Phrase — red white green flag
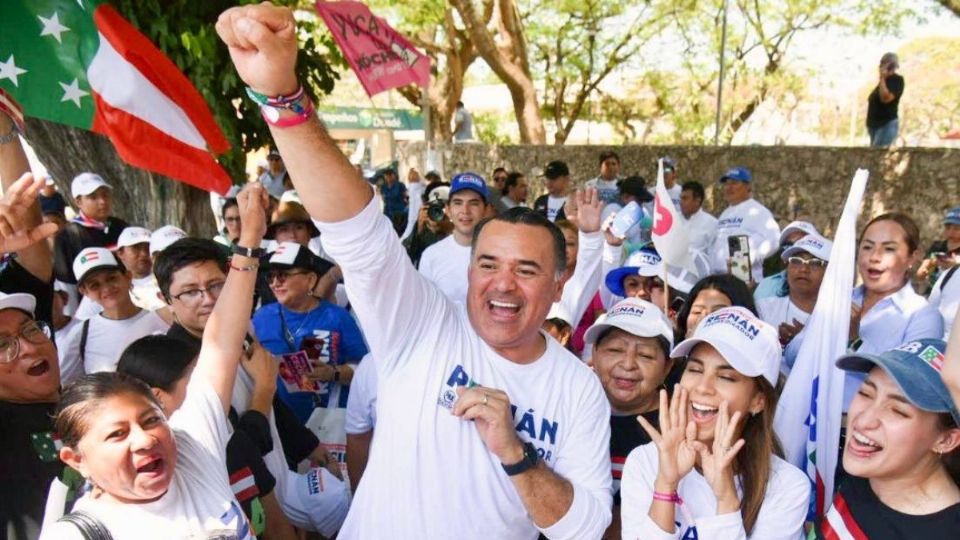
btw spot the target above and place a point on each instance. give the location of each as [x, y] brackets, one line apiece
[78, 62]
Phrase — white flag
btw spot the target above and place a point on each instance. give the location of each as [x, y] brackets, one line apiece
[808, 416]
[669, 228]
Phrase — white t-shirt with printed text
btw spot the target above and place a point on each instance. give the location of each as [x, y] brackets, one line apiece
[781, 516]
[199, 502]
[449, 483]
[754, 220]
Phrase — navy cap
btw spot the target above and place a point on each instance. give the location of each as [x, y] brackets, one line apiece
[469, 180]
[916, 367]
[952, 216]
[740, 174]
[555, 169]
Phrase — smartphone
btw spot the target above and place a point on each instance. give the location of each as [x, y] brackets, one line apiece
[739, 246]
[626, 218]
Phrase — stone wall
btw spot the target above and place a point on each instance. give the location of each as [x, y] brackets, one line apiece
[795, 182]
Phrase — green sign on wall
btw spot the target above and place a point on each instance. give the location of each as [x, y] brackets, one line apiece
[358, 118]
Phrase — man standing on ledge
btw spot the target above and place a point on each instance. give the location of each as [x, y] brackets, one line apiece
[883, 122]
[489, 428]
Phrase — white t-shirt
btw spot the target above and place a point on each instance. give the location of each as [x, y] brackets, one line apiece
[702, 231]
[465, 119]
[199, 502]
[445, 264]
[781, 516]
[554, 205]
[776, 310]
[578, 291]
[106, 341]
[747, 218]
[451, 485]
[607, 189]
[946, 298]
[362, 401]
[675, 192]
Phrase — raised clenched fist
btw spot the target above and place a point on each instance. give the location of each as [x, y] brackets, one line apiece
[262, 39]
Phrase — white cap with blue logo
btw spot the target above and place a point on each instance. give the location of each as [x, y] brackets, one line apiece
[748, 344]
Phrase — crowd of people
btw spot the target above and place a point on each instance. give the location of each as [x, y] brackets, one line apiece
[437, 359]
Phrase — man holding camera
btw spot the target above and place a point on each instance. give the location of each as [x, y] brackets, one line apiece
[446, 262]
[883, 123]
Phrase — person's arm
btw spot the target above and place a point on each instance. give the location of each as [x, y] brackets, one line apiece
[35, 257]
[636, 496]
[927, 323]
[263, 45]
[583, 284]
[262, 368]
[278, 526]
[358, 452]
[226, 329]
[570, 501]
[612, 258]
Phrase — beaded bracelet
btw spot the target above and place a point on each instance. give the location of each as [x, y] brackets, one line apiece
[291, 101]
[272, 115]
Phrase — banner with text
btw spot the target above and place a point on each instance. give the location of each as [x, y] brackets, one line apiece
[380, 56]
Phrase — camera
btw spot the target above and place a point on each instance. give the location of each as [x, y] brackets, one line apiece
[435, 210]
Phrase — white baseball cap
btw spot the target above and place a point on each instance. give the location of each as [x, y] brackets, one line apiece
[132, 236]
[22, 301]
[317, 501]
[164, 236]
[795, 226]
[634, 316]
[813, 244]
[86, 183]
[93, 258]
[747, 343]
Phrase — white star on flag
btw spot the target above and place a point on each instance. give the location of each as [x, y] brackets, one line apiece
[72, 92]
[52, 26]
[9, 70]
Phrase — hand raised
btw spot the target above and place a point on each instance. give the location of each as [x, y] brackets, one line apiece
[15, 208]
[589, 207]
[262, 40]
[673, 440]
[253, 203]
[261, 366]
[717, 461]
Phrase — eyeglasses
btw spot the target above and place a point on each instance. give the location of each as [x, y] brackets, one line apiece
[35, 332]
[800, 261]
[281, 276]
[192, 296]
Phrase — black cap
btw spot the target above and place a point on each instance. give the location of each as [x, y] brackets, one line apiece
[556, 169]
[635, 186]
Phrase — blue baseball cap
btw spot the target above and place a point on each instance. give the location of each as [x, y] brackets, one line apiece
[643, 262]
[916, 367]
[469, 180]
[952, 216]
[740, 174]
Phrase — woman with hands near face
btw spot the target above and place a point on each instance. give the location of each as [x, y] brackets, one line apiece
[713, 470]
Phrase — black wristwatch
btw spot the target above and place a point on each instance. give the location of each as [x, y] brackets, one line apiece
[529, 461]
[253, 253]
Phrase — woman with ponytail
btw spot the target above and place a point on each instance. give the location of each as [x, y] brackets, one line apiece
[713, 470]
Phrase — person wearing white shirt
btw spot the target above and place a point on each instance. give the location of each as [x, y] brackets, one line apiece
[670, 180]
[446, 262]
[96, 343]
[724, 481]
[945, 297]
[275, 178]
[776, 284]
[500, 432]
[806, 265]
[743, 216]
[606, 182]
[361, 419]
[890, 312]
[514, 192]
[556, 177]
[133, 250]
[701, 226]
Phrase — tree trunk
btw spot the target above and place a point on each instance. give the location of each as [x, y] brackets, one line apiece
[508, 59]
[952, 5]
[139, 197]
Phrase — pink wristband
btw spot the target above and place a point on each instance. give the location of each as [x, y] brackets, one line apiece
[308, 112]
[667, 497]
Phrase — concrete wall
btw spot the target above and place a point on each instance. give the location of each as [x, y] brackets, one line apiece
[795, 182]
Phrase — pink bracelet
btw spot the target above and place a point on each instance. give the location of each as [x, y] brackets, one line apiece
[272, 115]
[667, 497]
